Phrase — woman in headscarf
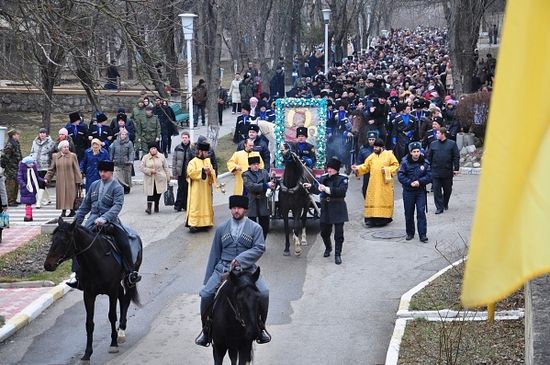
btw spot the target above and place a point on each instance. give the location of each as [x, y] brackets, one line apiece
[29, 182]
[65, 166]
[89, 162]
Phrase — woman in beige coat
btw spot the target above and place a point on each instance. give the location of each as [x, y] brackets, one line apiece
[65, 166]
[156, 175]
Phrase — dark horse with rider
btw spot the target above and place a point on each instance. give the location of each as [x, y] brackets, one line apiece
[104, 259]
[235, 297]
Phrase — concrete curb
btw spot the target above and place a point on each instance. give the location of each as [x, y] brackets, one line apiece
[32, 311]
[470, 170]
[446, 315]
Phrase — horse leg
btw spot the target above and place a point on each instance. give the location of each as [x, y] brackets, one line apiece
[304, 221]
[245, 354]
[234, 355]
[219, 353]
[89, 304]
[287, 240]
[295, 232]
[124, 302]
[113, 349]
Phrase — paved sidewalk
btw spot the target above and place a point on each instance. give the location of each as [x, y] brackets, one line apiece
[16, 236]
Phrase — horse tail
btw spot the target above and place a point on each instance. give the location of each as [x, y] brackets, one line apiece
[133, 294]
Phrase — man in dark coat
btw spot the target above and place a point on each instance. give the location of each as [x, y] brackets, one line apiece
[183, 153]
[101, 131]
[79, 134]
[256, 182]
[11, 157]
[379, 113]
[444, 157]
[166, 117]
[333, 187]
[243, 122]
[277, 83]
[404, 131]
[414, 174]
[237, 242]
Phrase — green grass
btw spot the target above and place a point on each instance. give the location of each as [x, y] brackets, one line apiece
[224, 151]
[34, 250]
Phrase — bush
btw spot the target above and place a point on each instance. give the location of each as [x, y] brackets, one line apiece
[473, 112]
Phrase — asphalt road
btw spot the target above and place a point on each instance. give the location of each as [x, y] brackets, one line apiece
[320, 313]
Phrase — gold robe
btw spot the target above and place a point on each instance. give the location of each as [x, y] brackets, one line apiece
[200, 211]
[379, 197]
[240, 158]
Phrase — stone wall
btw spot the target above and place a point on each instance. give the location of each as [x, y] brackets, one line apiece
[15, 99]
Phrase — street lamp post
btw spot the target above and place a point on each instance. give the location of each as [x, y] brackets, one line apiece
[326, 18]
[187, 25]
[368, 26]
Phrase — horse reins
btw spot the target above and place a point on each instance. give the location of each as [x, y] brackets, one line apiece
[238, 317]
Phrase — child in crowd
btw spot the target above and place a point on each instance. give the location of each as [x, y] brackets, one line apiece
[29, 181]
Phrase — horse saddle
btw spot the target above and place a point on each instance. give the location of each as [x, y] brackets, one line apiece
[133, 239]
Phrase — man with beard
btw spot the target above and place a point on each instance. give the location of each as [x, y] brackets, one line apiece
[238, 164]
[200, 177]
[379, 113]
[238, 242]
[256, 182]
[414, 174]
[382, 166]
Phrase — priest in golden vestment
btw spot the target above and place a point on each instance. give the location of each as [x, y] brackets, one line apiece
[200, 177]
[238, 163]
[382, 166]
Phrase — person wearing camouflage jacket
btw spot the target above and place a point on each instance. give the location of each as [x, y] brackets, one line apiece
[10, 162]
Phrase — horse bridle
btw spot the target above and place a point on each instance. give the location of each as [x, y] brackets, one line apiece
[73, 241]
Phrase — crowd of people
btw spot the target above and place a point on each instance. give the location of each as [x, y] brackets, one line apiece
[391, 111]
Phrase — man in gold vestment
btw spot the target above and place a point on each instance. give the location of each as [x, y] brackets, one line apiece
[200, 177]
[382, 166]
[238, 163]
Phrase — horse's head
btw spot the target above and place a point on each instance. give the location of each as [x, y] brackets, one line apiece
[247, 300]
[357, 122]
[63, 245]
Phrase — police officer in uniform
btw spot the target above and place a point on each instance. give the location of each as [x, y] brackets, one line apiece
[414, 174]
[333, 187]
[304, 150]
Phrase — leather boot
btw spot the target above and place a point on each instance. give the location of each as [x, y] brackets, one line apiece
[39, 197]
[72, 213]
[156, 207]
[263, 336]
[204, 338]
[149, 205]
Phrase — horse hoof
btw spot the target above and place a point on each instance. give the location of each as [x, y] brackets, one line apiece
[113, 349]
[297, 251]
[121, 336]
[304, 243]
[286, 253]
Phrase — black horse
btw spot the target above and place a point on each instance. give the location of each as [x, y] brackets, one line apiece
[294, 197]
[100, 273]
[235, 317]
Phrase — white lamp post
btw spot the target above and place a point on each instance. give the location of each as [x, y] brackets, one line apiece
[326, 18]
[187, 25]
[368, 25]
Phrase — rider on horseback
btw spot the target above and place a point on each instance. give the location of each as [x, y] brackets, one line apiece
[304, 150]
[104, 202]
[237, 242]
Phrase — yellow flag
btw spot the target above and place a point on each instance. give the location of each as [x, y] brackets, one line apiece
[510, 242]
